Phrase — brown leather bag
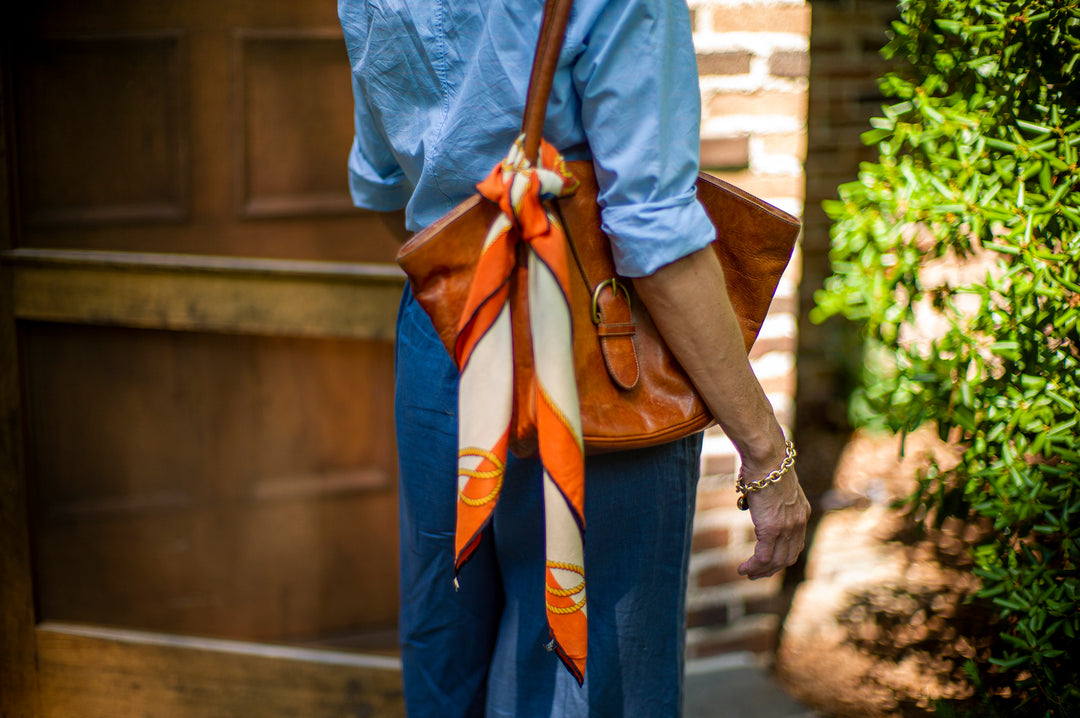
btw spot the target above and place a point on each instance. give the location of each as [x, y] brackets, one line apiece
[633, 392]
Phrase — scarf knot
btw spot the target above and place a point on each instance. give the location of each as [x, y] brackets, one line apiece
[520, 188]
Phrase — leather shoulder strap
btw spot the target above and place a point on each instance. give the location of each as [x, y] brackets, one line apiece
[548, 46]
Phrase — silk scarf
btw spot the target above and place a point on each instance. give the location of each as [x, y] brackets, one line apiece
[484, 357]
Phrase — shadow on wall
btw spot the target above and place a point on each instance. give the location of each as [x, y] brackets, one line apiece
[845, 38]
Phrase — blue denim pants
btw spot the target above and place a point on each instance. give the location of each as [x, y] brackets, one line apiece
[479, 650]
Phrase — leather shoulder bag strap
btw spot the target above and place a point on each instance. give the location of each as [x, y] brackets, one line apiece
[548, 46]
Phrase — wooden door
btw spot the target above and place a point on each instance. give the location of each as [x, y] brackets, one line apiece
[199, 484]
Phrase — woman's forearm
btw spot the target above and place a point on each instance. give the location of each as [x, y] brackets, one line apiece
[688, 302]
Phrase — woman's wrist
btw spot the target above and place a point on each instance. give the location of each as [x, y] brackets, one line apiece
[762, 454]
[745, 486]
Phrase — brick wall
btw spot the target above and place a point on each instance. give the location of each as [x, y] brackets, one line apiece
[753, 60]
[779, 77]
[845, 38]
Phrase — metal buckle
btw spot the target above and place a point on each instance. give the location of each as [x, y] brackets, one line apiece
[616, 285]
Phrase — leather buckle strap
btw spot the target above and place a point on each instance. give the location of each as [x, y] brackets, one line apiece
[615, 328]
[615, 285]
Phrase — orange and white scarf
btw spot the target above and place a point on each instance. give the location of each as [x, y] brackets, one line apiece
[484, 356]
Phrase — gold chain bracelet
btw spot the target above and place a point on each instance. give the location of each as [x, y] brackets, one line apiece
[745, 488]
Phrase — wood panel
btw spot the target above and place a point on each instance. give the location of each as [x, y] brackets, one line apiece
[288, 150]
[279, 297]
[95, 673]
[190, 127]
[235, 486]
[195, 367]
[95, 150]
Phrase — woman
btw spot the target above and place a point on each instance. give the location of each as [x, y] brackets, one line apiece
[440, 88]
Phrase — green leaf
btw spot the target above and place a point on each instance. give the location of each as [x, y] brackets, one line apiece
[1034, 127]
[872, 137]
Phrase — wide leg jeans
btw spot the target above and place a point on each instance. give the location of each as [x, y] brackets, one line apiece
[479, 649]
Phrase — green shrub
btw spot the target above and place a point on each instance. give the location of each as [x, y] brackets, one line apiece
[978, 169]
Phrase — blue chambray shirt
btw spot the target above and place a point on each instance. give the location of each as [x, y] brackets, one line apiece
[440, 90]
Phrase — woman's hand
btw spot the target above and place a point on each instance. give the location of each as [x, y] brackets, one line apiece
[779, 512]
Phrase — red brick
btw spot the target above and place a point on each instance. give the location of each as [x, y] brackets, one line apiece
[840, 67]
[773, 603]
[826, 45]
[710, 499]
[784, 305]
[724, 63]
[754, 18]
[789, 63]
[727, 153]
[783, 104]
[719, 575]
[773, 344]
[784, 384]
[720, 464]
[712, 616]
[758, 642]
[710, 538]
[718, 498]
[749, 535]
[785, 143]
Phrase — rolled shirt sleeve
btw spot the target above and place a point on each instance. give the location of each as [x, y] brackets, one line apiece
[641, 111]
[376, 180]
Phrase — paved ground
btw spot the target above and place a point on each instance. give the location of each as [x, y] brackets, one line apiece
[735, 686]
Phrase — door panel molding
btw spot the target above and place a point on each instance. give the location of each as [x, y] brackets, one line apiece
[124, 157]
[323, 485]
[86, 670]
[272, 297]
[286, 158]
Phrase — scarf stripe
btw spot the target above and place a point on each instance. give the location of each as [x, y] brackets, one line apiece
[484, 356]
